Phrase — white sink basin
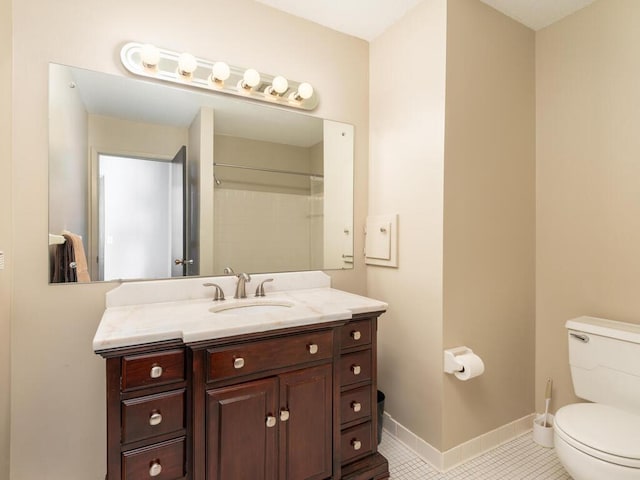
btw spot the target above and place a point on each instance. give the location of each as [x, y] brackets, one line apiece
[250, 307]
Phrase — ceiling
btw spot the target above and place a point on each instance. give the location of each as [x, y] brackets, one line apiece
[367, 19]
[537, 14]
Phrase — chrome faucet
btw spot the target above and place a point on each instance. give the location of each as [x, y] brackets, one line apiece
[243, 278]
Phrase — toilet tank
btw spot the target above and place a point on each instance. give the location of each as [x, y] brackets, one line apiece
[604, 356]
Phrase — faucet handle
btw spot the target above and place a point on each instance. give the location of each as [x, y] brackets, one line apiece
[260, 289]
[219, 293]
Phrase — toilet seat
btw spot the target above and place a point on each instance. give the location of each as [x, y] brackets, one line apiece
[602, 431]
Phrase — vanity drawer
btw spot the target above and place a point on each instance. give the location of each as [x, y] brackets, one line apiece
[356, 441]
[355, 404]
[164, 461]
[268, 354]
[153, 415]
[355, 367]
[355, 334]
[151, 369]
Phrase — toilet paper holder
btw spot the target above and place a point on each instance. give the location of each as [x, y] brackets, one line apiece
[451, 364]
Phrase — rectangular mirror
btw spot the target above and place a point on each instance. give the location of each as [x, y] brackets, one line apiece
[154, 181]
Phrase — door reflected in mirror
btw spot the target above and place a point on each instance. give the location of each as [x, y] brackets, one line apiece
[256, 188]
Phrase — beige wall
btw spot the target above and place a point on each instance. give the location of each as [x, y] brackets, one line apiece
[126, 137]
[406, 177]
[58, 388]
[260, 154]
[588, 177]
[489, 217]
[460, 173]
[5, 231]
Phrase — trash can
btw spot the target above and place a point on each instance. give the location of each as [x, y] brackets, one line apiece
[380, 414]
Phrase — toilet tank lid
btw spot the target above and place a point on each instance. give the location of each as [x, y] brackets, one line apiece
[629, 332]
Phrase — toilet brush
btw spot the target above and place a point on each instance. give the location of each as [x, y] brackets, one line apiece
[547, 400]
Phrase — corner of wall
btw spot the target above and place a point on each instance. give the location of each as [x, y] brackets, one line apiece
[6, 72]
[406, 177]
[489, 217]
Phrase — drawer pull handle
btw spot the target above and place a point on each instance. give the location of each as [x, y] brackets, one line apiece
[238, 363]
[356, 369]
[155, 418]
[156, 371]
[313, 348]
[356, 406]
[284, 415]
[155, 469]
[356, 444]
[271, 421]
[356, 335]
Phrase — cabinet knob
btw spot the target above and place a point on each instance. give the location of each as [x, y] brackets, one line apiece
[156, 371]
[155, 469]
[238, 363]
[284, 415]
[356, 406]
[155, 418]
[271, 421]
[356, 369]
[356, 444]
[313, 348]
[356, 335]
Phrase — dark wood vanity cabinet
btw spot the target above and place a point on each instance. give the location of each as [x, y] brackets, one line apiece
[276, 428]
[291, 404]
[147, 412]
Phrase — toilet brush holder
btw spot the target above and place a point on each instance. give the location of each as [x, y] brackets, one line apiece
[543, 435]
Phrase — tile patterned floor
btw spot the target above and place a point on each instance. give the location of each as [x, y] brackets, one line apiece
[519, 459]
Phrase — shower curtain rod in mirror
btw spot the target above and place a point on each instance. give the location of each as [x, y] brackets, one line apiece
[270, 170]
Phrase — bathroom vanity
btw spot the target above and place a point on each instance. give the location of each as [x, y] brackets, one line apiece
[275, 387]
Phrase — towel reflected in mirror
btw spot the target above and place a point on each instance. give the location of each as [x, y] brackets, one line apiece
[70, 261]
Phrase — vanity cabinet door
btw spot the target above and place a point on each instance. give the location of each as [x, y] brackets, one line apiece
[305, 424]
[242, 431]
[245, 421]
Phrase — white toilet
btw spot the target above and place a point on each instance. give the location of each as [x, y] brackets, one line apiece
[601, 440]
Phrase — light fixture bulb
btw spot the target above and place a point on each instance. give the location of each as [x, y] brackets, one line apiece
[279, 85]
[250, 79]
[305, 91]
[220, 72]
[149, 56]
[187, 64]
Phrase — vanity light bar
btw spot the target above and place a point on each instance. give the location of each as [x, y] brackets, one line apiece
[185, 69]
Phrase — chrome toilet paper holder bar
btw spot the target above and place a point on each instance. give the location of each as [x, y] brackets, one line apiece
[451, 364]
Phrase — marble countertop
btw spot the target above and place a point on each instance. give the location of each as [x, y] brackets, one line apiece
[190, 319]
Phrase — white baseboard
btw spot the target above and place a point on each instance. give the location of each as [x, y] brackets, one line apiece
[464, 452]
